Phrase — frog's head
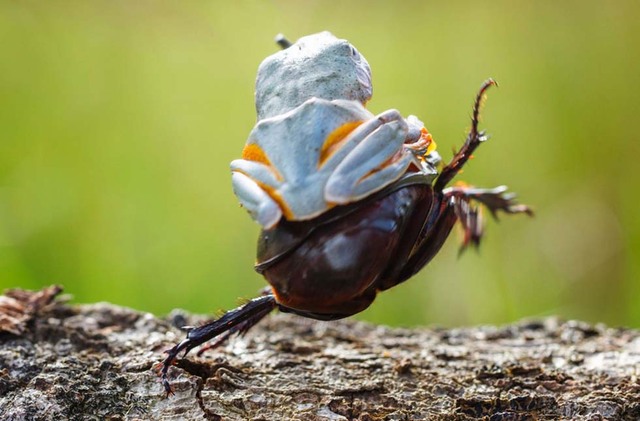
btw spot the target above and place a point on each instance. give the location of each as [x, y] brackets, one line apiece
[318, 65]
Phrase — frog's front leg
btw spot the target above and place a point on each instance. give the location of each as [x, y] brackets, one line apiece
[373, 157]
[250, 180]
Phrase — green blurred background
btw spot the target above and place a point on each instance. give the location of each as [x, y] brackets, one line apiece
[118, 120]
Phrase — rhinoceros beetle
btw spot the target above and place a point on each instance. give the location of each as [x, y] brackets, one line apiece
[350, 203]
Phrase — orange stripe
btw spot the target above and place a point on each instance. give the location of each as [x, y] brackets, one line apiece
[286, 211]
[253, 152]
[380, 167]
[332, 142]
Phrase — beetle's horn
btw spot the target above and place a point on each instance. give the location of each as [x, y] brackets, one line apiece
[283, 42]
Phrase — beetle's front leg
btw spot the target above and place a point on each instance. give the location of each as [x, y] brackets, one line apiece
[238, 320]
[474, 139]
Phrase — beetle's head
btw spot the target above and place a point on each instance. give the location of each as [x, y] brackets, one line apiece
[318, 65]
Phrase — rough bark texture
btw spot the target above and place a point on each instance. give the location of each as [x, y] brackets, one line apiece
[98, 362]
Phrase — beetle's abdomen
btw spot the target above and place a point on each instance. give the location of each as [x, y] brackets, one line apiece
[336, 271]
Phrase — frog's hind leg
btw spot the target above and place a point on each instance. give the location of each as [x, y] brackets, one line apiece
[373, 158]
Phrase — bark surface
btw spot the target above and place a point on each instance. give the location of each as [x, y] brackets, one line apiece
[99, 362]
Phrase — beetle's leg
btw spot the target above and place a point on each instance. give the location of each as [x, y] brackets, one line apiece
[474, 138]
[469, 214]
[457, 204]
[240, 329]
[377, 159]
[495, 199]
[240, 319]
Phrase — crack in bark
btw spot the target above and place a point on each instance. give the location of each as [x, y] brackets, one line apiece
[210, 415]
[204, 372]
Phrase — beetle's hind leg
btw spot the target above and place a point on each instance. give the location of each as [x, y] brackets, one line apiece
[474, 139]
[238, 321]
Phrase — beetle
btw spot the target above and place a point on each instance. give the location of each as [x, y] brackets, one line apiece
[350, 203]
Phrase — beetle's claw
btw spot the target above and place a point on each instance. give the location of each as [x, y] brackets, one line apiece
[168, 390]
[502, 201]
[477, 105]
[170, 360]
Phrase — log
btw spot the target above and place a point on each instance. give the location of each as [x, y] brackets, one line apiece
[99, 361]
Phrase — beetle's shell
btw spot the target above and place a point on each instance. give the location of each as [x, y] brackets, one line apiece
[318, 65]
[334, 268]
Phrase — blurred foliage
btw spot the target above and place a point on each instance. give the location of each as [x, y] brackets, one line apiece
[118, 120]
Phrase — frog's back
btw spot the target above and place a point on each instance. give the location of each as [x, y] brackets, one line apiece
[320, 66]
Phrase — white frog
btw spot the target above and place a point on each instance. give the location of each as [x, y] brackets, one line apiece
[315, 145]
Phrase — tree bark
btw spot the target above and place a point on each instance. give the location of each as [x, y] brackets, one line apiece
[100, 362]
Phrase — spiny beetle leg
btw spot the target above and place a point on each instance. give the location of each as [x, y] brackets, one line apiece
[240, 329]
[237, 320]
[474, 138]
[220, 340]
[495, 199]
[470, 214]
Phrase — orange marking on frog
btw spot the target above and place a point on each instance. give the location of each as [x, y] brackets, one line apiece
[334, 140]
